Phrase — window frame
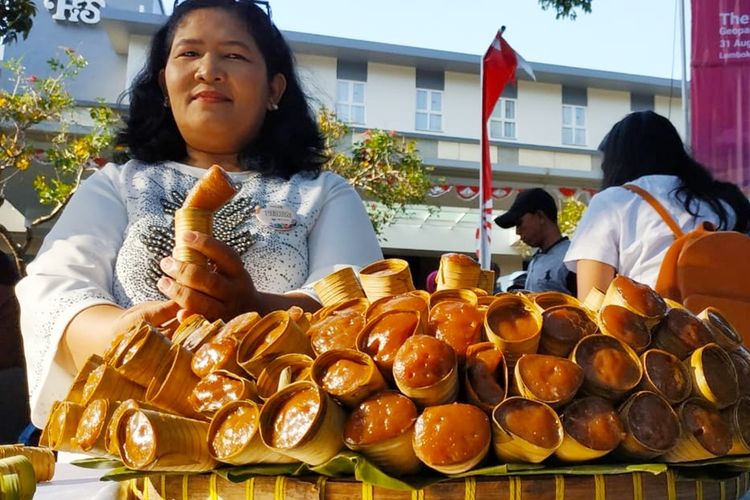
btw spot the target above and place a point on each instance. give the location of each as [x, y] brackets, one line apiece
[349, 102]
[428, 112]
[574, 126]
[502, 119]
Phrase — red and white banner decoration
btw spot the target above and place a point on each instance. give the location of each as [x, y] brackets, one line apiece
[468, 192]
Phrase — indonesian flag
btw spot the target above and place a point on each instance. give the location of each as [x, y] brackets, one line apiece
[498, 68]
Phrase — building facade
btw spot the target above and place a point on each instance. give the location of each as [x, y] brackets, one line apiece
[543, 132]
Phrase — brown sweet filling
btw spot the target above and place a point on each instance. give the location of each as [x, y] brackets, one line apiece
[485, 375]
[92, 423]
[337, 331]
[214, 355]
[743, 419]
[235, 431]
[566, 325]
[215, 390]
[386, 415]
[742, 367]
[295, 418]
[718, 322]
[423, 361]
[708, 427]
[532, 421]
[140, 440]
[626, 326]
[388, 334]
[238, 326]
[641, 297]
[647, 409]
[546, 300]
[718, 372]
[594, 423]
[269, 338]
[404, 302]
[92, 382]
[688, 328]
[667, 374]
[550, 378]
[345, 375]
[451, 434]
[606, 363]
[457, 323]
[513, 322]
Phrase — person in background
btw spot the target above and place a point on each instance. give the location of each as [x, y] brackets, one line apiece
[620, 233]
[219, 86]
[534, 215]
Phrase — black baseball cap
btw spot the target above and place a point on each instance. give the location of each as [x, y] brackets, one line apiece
[528, 201]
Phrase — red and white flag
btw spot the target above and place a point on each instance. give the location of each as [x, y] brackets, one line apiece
[498, 68]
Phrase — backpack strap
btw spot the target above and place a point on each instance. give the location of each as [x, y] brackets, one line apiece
[663, 213]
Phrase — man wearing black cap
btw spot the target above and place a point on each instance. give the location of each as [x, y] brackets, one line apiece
[534, 214]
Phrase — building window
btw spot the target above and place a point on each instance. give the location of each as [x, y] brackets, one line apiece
[574, 125]
[429, 110]
[350, 101]
[503, 119]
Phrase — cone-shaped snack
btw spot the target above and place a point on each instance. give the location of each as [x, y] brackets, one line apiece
[610, 368]
[150, 440]
[211, 191]
[234, 436]
[426, 370]
[484, 301]
[594, 299]
[453, 295]
[547, 300]
[336, 331]
[239, 326]
[514, 324]
[485, 375]
[549, 379]
[639, 298]
[724, 333]
[741, 360]
[666, 375]
[457, 271]
[592, 428]
[62, 424]
[301, 421]
[92, 427]
[705, 434]
[219, 388]
[191, 324]
[738, 418]
[681, 333]
[110, 434]
[486, 281]
[459, 324]
[349, 376]
[713, 375]
[353, 305]
[381, 428]
[452, 438]
[75, 393]
[563, 326]
[339, 286]
[386, 277]
[415, 300]
[292, 367]
[384, 334]
[42, 459]
[524, 430]
[219, 354]
[17, 480]
[147, 349]
[621, 322]
[106, 382]
[174, 383]
[652, 427]
[275, 334]
[201, 336]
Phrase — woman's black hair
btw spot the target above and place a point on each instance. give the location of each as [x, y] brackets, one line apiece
[645, 143]
[289, 140]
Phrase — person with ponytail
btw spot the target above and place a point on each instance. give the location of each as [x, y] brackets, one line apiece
[620, 233]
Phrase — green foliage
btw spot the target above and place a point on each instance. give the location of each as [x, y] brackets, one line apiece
[38, 101]
[16, 18]
[566, 8]
[383, 167]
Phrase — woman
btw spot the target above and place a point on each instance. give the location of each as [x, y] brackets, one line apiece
[219, 87]
[622, 234]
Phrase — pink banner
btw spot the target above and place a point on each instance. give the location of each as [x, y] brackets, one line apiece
[720, 88]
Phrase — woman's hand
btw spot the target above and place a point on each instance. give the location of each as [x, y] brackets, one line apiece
[223, 292]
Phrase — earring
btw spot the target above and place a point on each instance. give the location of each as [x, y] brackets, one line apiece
[166, 101]
[274, 106]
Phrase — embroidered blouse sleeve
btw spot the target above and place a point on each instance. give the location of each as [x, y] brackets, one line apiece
[73, 271]
[597, 236]
[342, 235]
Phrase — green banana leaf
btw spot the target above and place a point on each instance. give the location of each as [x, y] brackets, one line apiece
[98, 463]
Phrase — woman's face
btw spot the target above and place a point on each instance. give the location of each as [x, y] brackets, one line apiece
[217, 83]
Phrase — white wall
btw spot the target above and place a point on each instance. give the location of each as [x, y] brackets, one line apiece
[462, 105]
[605, 108]
[137, 53]
[317, 75]
[391, 97]
[539, 113]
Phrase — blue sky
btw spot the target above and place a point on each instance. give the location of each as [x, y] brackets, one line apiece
[629, 36]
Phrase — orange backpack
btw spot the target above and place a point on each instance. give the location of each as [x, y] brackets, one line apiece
[706, 267]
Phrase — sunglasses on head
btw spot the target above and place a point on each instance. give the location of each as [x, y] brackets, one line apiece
[263, 4]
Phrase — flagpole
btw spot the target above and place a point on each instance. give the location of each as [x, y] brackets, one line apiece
[683, 85]
[482, 229]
